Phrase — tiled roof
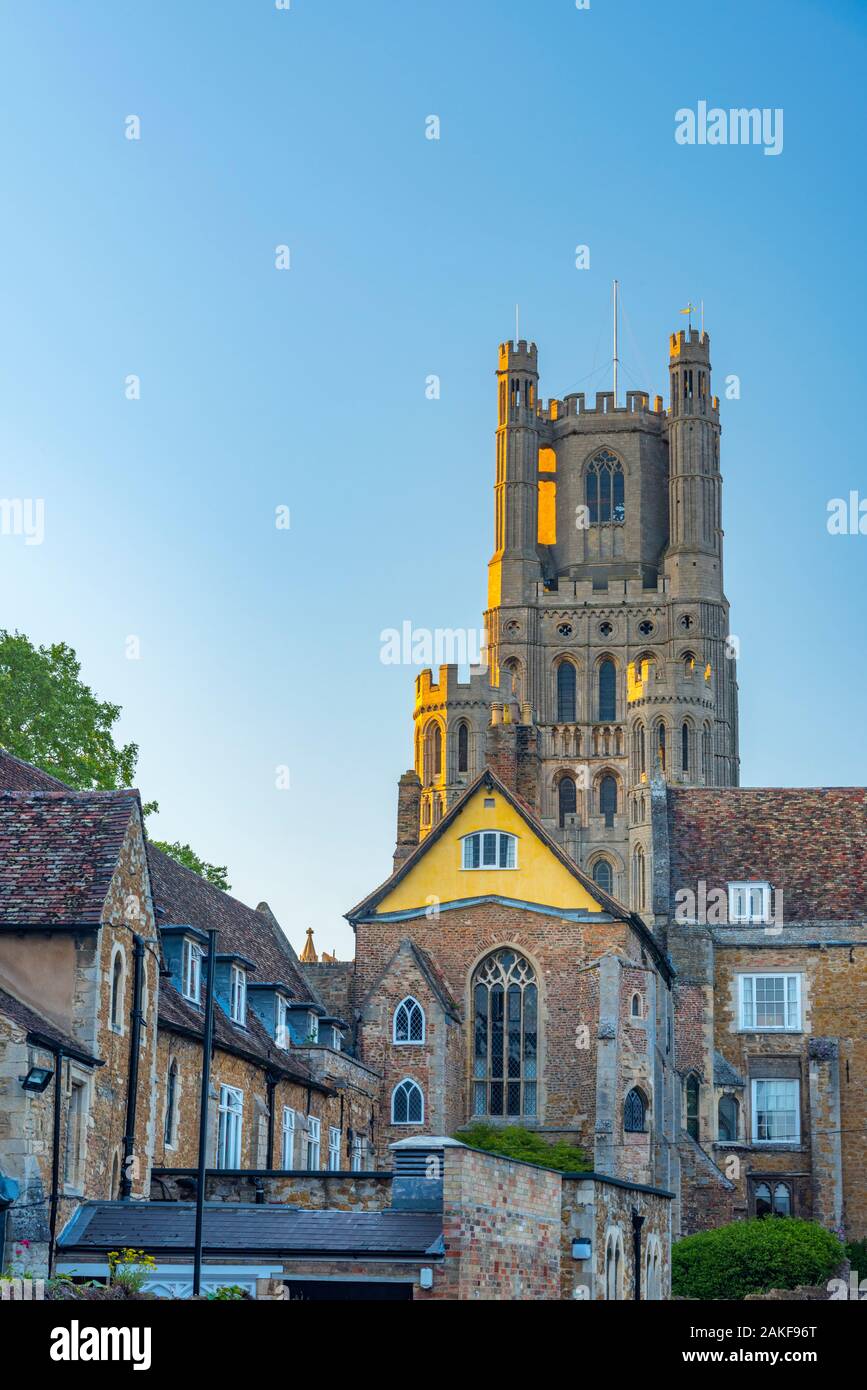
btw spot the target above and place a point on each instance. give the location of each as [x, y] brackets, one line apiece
[33, 1023]
[809, 842]
[724, 1073]
[58, 852]
[18, 776]
[236, 1228]
[184, 898]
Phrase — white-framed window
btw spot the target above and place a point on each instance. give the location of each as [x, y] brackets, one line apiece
[334, 1140]
[407, 1103]
[229, 1135]
[191, 971]
[238, 994]
[312, 1028]
[283, 1035]
[749, 902]
[770, 1003]
[409, 1023]
[288, 1137]
[314, 1142]
[776, 1111]
[359, 1154]
[490, 849]
[76, 1130]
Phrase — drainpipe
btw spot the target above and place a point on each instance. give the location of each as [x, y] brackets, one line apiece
[207, 1044]
[132, 1082]
[55, 1158]
[271, 1082]
[637, 1223]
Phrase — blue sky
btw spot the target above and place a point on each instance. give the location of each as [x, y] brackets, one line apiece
[306, 388]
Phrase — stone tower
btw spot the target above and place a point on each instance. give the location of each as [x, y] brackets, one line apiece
[607, 624]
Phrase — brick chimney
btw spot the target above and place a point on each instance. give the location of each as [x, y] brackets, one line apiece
[408, 814]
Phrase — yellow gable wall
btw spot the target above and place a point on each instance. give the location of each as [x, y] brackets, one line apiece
[539, 878]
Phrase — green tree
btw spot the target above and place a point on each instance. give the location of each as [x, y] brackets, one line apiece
[774, 1252]
[49, 717]
[525, 1144]
[217, 874]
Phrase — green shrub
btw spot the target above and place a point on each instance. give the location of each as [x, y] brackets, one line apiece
[228, 1291]
[752, 1257]
[526, 1145]
[856, 1253]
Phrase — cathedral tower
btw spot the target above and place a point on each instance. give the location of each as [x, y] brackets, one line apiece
[607, 624]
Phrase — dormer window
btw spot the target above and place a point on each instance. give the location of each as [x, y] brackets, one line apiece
[282, 1033]
[750, 903]
[312, 1028]
[490, 849]
[191, 971]
[238, 994]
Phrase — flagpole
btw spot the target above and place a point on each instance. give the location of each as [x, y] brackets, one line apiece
[616, 358]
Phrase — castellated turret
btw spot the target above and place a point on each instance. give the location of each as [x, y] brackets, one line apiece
[607, 624]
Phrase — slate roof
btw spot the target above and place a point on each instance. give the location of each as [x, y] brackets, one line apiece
[58, 852]
[810, 842]
[724, 1073]
[35, 1026]
[239, 1229]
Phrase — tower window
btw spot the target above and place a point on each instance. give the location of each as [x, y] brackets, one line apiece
[684, 747]
[638, 877]
[567, 798]
[608, 798]
[660, 747]
[566, 686]
[463, 748]
[604, 489]
[606, 629]
[433, 752]
[505, 1037]
[645, 628]
[565, 629]
[603, 875]
[607, 690]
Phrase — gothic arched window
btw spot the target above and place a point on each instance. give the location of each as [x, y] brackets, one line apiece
[566, 692]
[408, 1021]
[505, 1036]
[603, 875]
[608, 798]
[660, 746]
[727, 1114]
[407, 1103]
[604, 489]
[684, 747]
[433, 752]
[635, 1112]
[463, 748]
[638, 757]
[567, 798]
[638, 877]
[691, 1094]
[116, 1006]
[705, 755]
[607, 690]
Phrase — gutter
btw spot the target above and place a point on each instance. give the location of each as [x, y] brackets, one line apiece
[132, 1076]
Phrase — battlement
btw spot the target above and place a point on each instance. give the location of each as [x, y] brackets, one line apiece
[650, 679]
[637, 403]
[587, 591]
[447, 688]
[689, 345]
[520, 358]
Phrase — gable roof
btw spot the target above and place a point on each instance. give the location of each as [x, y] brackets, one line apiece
[810, 842]
[18, 776]
[58, 852]
[430, 972]
[489, 780]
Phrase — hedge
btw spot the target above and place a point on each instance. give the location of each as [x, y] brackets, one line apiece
[526, 1145]
[775, 1252]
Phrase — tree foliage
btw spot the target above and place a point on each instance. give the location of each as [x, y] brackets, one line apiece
[49, 717]
[774, 1252]
[216, 874]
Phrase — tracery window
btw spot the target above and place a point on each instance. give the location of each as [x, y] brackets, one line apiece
[567, 798]
[607, 690]
[505, 1036]
[605, 489]
[407, 1103]
[409, 1022]
[635, 1112]
[603, 875]
[566, 684]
